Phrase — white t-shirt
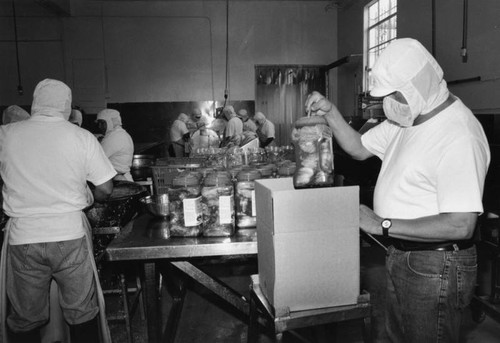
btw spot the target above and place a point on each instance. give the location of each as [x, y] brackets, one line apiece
[178, 130]
[45, 163]
[266, 131]
[119, 148]
[234, 127]
[436, 167]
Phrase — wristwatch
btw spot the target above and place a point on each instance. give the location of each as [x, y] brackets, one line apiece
[386, 225]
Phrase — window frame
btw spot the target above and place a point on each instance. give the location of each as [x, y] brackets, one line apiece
[366, 39]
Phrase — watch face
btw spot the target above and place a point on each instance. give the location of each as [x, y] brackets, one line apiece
[386, 224]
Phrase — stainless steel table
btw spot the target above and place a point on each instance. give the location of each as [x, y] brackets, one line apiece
[145, 239]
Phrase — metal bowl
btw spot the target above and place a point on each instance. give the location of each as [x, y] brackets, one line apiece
[157, 205]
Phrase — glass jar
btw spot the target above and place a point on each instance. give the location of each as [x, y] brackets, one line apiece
[312, 138]
[245, 198]
[286, 169]
[218, 205]
[265, 170]
[186, 216]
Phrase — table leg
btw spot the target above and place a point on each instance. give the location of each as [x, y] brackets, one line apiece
[176, 288]
[229, 295]
[253, 326]
[151, 295]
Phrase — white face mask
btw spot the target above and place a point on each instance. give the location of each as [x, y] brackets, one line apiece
[397, 112]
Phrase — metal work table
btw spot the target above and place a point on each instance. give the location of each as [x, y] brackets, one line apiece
[145, 239]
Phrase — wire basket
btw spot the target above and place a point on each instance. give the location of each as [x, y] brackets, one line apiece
[162, 178]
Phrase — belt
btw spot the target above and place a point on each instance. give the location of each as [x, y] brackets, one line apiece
[405, 245]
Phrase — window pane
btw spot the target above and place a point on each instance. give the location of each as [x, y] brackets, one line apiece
[373, 14]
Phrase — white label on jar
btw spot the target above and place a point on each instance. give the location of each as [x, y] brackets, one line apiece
[254, 210]
[193, 215]
[226, 209]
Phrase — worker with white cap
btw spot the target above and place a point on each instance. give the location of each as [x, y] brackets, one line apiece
[13, 114]
[46, 164]
[428, 195]
[234, 125]
[248, 124]
[117, 143]
[179, 136]
[76, 117]
[265, 129]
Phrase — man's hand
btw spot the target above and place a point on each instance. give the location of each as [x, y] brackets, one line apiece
[317, 105]
[369, 221]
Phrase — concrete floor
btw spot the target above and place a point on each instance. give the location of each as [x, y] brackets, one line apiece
[206, 319]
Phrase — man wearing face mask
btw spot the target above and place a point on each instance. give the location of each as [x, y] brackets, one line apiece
[428, 194]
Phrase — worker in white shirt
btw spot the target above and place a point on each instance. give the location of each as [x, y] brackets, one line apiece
[48, 236]
[248, 124]
[265, 129]
[117, 143]
[179, 136]
[14, 114]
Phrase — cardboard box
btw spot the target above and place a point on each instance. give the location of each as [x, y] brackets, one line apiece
[308, 245]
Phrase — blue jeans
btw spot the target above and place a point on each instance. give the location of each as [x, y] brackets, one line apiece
[30, 269]
[427, 292]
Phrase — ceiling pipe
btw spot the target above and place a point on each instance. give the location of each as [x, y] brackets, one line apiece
[463, 50]
[20, 90]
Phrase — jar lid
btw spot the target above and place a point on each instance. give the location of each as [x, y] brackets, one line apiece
[287, 169]
[310, 121]
[186, 179]
[217, 179]
[249, 175]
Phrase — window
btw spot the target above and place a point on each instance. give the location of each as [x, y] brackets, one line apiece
[380, 28]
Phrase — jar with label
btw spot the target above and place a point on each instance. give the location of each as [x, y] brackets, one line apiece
[245, 198]
[312, 138]
[186, 216]
[218, 205]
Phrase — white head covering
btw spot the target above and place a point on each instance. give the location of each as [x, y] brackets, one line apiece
[228, 112]
[76, 117]
[259, 116]
[243, 114]
[112, 118]
[183, 117]
[51, 98]
[406, 66]
[14, 114]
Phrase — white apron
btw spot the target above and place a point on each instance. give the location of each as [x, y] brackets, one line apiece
[105, 334]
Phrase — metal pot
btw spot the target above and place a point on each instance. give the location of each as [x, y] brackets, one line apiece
[120, 208]
[141, 167]
[141, 161]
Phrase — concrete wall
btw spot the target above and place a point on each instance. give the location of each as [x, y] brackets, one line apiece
[159, 51]
[415, 20]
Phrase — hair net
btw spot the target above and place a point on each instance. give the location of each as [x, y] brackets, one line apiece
[51, 98]
[243, 114]
[228, 112]
[406, 66]
[112, 118]
[183, 117]
[259, 116]
[14, 114]
[76, 117]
